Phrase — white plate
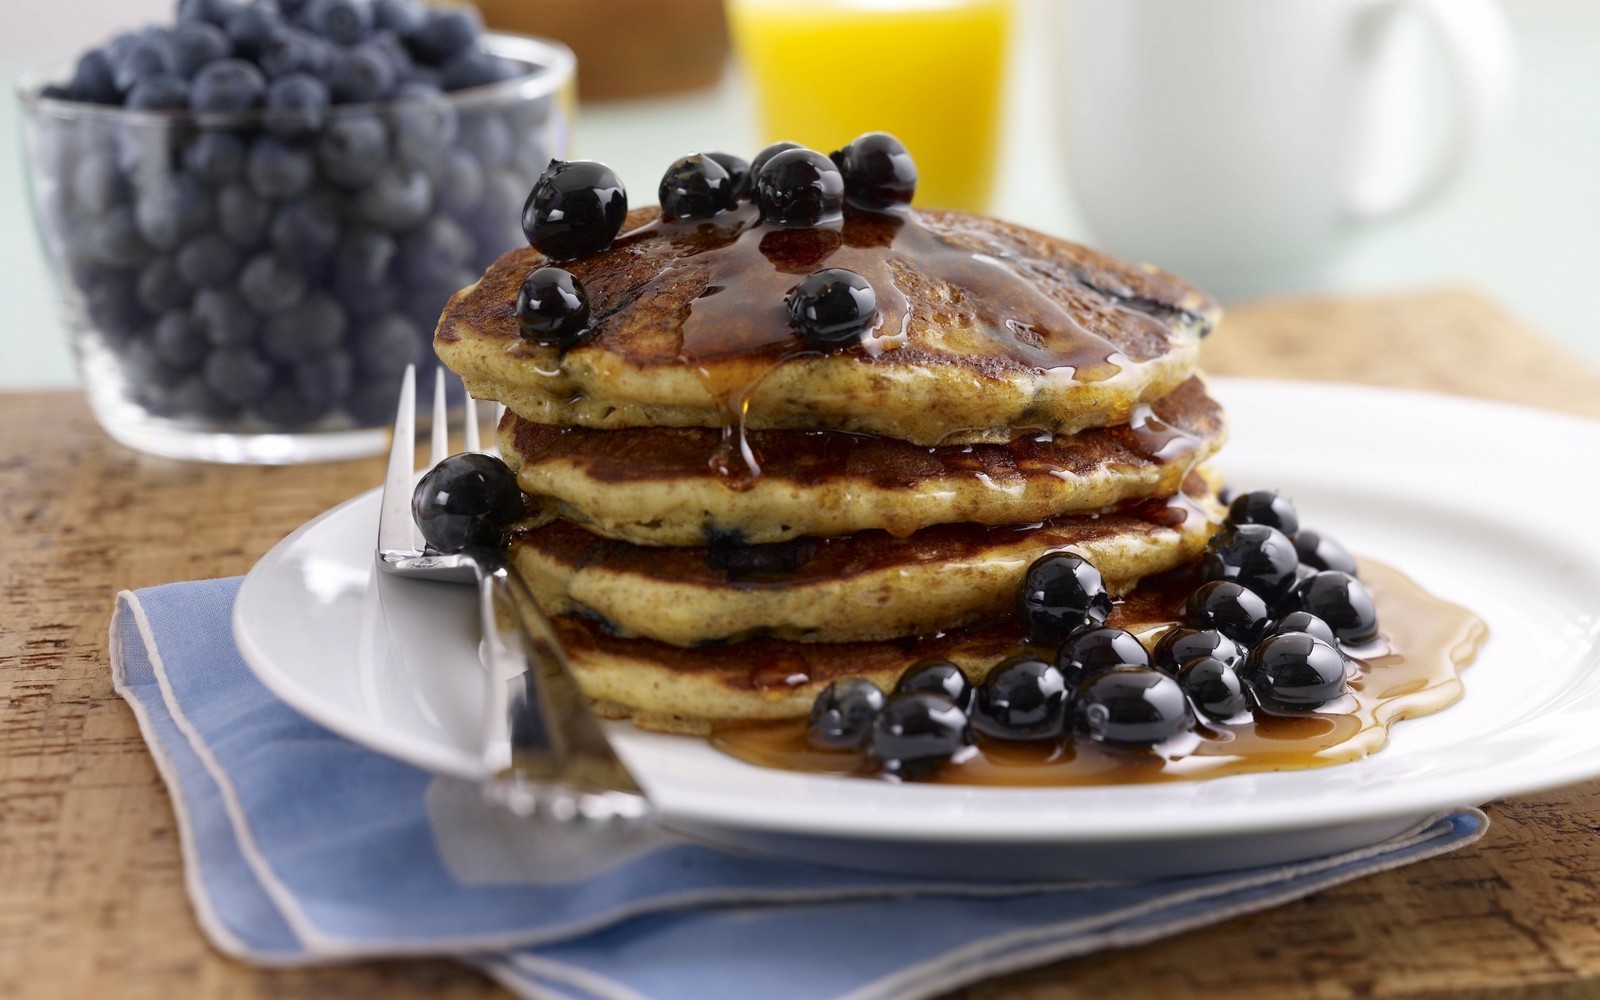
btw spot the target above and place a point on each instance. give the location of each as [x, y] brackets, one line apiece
[1486, 505]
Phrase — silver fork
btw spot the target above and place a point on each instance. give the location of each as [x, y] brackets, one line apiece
[544, 751]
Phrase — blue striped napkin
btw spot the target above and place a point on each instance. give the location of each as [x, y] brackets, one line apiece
[302, 847]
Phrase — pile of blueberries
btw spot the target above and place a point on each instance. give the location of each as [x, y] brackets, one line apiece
[1265, 632]
[270, 241]
[577, 208]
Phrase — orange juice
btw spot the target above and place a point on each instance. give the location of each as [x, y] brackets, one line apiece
[929, 71]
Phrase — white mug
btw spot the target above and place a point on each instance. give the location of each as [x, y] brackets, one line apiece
[1242, 143]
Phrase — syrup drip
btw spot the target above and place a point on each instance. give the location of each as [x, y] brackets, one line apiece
[1412, 670]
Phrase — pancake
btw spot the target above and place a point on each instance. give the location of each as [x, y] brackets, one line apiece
[985, 329]
[672, 689]
[858, 587]
[658, 486]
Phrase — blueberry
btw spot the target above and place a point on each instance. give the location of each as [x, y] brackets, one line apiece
[878, 172]
[158, 93]
[315, 325]
[1304, 621]
[342, 21]
[460, 184]
[833, 307]
[250, 26]
[239, 374]
[325, 379]
[799, 187]
[151, 379]
[1214, 688]
[473, 67]
[115, 241]
[1131, 706]
[361, 267]
[1022, 698]
[425, 124]
[227, 85]
[216, 12]
[297, 104]
[394, 51]
[397, 199]
[353, 149]
[488, 137]
[161, 287]
[287, 408]
[575, 208]
[399, 16]
[940, 677]
[1264, 507]
[360, 75]
[437, 247]
[1178, 645]
[112, 301]
[146, 57]
[384, 346]
[1260, 557]
[1321, 552]
[444, 33]
[1343, 602]
[1295, 672]
[270, 284]
[94, 79]
[694, 187]
[738, 175]
[1093, 648]
[916, 734]
[172, 211]
[1061, 592]
[242, 216]
[194, 397]
[223, 316]
[208, 260]
[195, 44]
[466, 501]
[214, 157]
[97, 184]
[842, 716]
[179, 341]
[276, 170]
[306, 230]
[1229, 608]
[552, 307]
[766, 155]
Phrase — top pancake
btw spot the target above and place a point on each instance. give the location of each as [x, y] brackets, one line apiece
[985, 330]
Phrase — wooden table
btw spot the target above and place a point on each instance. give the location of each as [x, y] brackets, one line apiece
[91, 886]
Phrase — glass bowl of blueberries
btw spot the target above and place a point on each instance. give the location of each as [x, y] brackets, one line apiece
[256, 213]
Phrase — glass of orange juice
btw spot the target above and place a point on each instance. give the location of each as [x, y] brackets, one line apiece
[929, 71]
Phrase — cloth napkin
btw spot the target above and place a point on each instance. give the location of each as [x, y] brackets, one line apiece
[301, 846]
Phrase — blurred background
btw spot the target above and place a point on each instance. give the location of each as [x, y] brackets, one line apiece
[1241, 151]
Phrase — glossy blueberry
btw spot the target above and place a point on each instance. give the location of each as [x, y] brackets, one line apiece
[209, 260]
[1178, 645]
[238, 374]
[833, 307]
[575, 208]
[214, 158]
[158, 93]
[437, 247]
[360, 75]
[173, 210]
[1214, 688]
[325, 379]
[1343, 602]
[799, 187]
[466, 501]
[278, 171]
[461, 183]
[1061, 591]
[1264, 507]
[223, 316]
[242, 215]
[552, 307]
[383, 346]
[115, 240]
[1093, 648]
[305, 230]
[195, 44]
[298, 104]
[878, 172]
[694, 187]
[161, 288]
[227, 85]
[179, 341]
[940, 677]
[398, 198]
[766, 155]
[1321, 552]
[1230, 608]
[916, 734]
[1304, 621]
[250, 26]
[443, 33]
[292, 51]
[270, 283]
[94, 79]
[313, 326]
[1295, 672]
[1255, 555]
[842, 715]
[1022, 698]
[473, 67]
[1131, 706]
[342, 21]
[738, 175]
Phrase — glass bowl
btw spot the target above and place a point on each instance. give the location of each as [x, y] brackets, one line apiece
[249, 287]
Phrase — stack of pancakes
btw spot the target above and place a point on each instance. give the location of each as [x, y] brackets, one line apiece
[727, 518]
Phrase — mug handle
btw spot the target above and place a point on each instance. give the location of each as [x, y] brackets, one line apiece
[1475, 39]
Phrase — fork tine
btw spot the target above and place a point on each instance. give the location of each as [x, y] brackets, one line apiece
[396, 528]
[441, 422]
[472, 424]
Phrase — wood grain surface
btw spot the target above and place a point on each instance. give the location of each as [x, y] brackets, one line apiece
[92, 900]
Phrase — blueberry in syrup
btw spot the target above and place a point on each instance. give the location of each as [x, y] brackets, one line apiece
[1093, 648]
[1232, 609]
[1061, 592]
[1178, 645]
[694, 187]
[1214, 688]
[552, 307]
[1264, 507]
[1022, 698]
[466, 501]
[1321, 552]
[1343, 602]
[917, 733]
[842, 715]
[1305, 621]
[738, 175]
[832, 307]
[878, 172]
[1254, 555]
[1295, 672]
[767, 154]
[935, 676]
[1131, 706]
[799, 187]
[575, 208]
